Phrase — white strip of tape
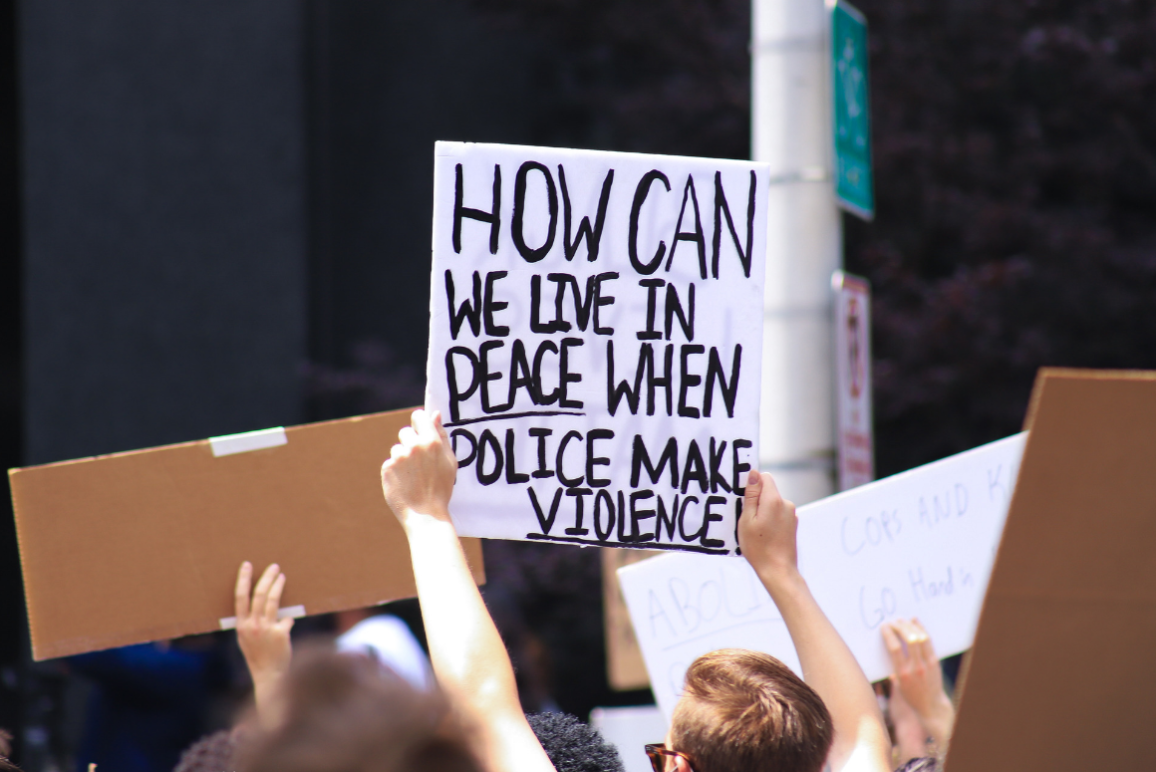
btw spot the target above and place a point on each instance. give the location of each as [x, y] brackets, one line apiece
[229, 444]
[228, 623]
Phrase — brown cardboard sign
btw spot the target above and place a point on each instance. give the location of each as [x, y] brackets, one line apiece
[625, 668]
[141, 546]
[1062, 670]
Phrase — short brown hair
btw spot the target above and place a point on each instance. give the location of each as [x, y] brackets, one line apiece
[344, 713]
[744, 710]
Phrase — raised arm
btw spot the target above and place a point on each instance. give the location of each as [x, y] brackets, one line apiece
[917, 683]
[263, 638]
[767, 538]
[467, 653]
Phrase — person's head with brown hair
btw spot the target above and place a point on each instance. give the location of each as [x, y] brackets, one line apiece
[742, 710]
[341, 713]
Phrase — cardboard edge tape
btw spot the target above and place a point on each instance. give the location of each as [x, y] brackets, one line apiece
[228, 444]
[228, 623]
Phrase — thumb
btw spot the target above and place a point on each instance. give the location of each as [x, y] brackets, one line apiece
[754, 490]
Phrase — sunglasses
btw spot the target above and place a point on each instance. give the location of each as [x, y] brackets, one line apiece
[655, 753]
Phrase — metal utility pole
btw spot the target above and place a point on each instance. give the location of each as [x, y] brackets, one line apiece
[791, 130]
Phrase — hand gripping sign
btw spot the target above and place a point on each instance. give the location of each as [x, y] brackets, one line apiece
[595, 342]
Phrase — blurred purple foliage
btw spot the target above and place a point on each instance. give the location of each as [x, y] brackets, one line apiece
[1015, 162]
[374, 380]
[1015, 151]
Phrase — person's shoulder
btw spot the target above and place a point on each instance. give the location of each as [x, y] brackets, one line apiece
[574, 746]
[212, 753]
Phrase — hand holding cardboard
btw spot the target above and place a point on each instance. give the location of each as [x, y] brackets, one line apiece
[140, 546]
[263, 638]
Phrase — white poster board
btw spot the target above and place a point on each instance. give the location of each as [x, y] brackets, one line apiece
[919, 544]
[856, 439]
[595, 342]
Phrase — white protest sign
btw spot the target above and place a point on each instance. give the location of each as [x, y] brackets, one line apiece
[919, 544]
[595, 342]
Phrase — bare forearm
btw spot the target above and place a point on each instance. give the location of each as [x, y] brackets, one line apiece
[466, 650]
[910, 740]
[939, 724]
[832, 671]
[264, 697]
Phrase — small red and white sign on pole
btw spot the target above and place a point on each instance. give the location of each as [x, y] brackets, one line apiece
[853, 379]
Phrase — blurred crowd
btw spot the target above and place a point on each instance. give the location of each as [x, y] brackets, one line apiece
[368, 694]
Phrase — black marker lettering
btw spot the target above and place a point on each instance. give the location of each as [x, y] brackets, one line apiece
[467, 311]
[463, 462]
[593, 460]
[543, 397]
[601, 300]
[578, 493]
[614, 394]
[665, 382]
[567, 481]
[720, 207]
[525, 380]
[686, 379]
[740, 467]
[513, 476]
[541, 472]
[593, 235]
[652, 285]
[457, 396]
[490, 217]
[729, 389]
[662, 520]
[694, 468]
[639, 458]
[486, 376]
[545, 522]
[603, 495]
[488, 443]
[637, 515]
[640, 194]
[674, 308]
[566, 377]
[711, 517]
[491, 306]
[560, 280]
[697, 236]
[533, 255]
[682, 520]
[535, 304]
[717, 478]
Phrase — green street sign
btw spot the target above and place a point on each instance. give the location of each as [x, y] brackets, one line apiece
[852, 124]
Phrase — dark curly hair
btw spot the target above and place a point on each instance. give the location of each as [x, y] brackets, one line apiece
[572, 745]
